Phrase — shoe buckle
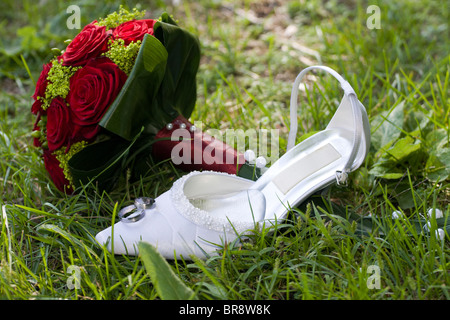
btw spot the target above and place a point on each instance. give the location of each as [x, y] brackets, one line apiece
[341, 178]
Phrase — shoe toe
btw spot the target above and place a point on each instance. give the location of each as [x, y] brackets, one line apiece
[124, 237]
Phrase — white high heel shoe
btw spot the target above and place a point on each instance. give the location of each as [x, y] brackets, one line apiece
[202, 210]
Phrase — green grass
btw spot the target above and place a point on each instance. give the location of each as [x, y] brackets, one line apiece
[251, 53]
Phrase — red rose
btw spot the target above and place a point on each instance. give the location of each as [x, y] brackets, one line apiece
[55, 171]
[89, 43]
[59, 125]
[41, 85]
[84, 133]
[92, 89]
[134, 30]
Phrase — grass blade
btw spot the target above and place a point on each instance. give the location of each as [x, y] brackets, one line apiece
[166, 282]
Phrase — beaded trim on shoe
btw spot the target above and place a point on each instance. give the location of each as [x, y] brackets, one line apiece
[201, 217]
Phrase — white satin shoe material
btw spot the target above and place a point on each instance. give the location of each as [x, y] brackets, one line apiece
[204, 210]
[192, 218]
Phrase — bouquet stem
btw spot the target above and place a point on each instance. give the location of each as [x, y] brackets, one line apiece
[191, 149]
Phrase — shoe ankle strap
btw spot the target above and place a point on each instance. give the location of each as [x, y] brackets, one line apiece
[341, 175]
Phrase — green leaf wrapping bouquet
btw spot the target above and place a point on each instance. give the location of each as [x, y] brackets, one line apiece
[100, 103]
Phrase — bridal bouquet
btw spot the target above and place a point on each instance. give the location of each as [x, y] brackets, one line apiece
[102, 104]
